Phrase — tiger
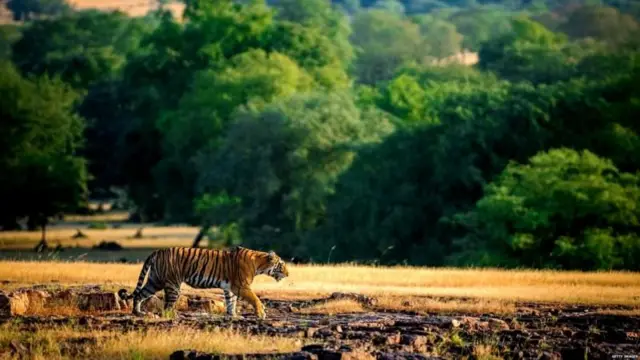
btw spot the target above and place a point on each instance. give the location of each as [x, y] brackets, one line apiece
[231, 270]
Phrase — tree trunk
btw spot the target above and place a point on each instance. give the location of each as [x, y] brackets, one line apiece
[201, 233]
[42, 245]
[44, 231]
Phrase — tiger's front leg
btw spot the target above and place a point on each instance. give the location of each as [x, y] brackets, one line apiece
[230, 303]
[248, 294]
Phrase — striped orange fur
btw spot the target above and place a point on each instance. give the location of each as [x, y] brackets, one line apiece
[231, 270]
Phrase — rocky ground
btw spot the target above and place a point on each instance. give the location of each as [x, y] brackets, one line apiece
[535, 331]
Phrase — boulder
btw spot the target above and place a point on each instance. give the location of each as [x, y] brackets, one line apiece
[153, 304]
[14, 304]
[207, 305]
[37, 299]
[413, 340]
[386, 339]
[101, 301]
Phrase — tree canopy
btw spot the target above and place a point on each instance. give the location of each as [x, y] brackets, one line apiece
[425, 132]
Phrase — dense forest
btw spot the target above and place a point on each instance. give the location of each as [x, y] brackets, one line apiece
[333, 132]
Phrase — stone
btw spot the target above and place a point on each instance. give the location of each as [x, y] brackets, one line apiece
[207, 305]
[153, 304]
[550, 356]
[309, 332]
[324, 332]
[190, 355]
[182, 304]
[401, 356]
[102, 301]
[37, 299]
[14, 304]
[65, 297]
[385, 339]
[498, 324]
[413, 340]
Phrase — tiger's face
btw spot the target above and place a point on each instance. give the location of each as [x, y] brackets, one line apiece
[277, 267]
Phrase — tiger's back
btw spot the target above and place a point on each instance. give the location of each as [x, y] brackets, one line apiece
[204, 268]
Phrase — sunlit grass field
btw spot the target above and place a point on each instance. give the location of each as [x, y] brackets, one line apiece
[151, 344]
[152, 236]
[492, 286]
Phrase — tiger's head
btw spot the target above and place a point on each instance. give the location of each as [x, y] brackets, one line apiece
[275, 267]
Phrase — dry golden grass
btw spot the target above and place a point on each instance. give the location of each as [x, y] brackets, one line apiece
[606, 288]
[115, 216]
[332, 307]
[153, 237]
[151, 344]
[485, 352]
[424, 305]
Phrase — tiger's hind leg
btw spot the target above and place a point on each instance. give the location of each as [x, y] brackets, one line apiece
[150, 288]
[171, 295]
[230, 300]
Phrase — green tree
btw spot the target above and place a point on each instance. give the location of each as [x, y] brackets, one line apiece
[254, 79]
[25, 10]
[157, 77]
[82, 48]
[384, 41]
[530, 52]
[602, 23]
[564, 208]
[39, 135]
[480, 25]
[9, 34]
[283, 161]
[321, 16]
[441, 36]
[311, 49]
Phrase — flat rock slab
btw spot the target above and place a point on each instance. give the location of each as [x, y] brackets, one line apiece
[370, 335]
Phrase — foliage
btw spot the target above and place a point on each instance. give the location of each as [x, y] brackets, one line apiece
[28, 9]
[384, 42]
[563, 208]
[39, 137]
[82, 48]
[9, 34]
[321, 126]
[602, 23]
[254, 78]
[282, 162]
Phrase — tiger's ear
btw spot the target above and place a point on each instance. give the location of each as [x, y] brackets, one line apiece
[272, 255]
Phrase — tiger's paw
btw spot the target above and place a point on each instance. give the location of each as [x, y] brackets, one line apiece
[228, 317]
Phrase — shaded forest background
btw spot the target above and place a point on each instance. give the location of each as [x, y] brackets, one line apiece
[341, 131]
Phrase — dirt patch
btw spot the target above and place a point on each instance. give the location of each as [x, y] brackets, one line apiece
[531, 331]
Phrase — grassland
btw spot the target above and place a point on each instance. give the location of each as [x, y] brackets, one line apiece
[152, 236]
[448, 292]
[59, 342]
[490, 288]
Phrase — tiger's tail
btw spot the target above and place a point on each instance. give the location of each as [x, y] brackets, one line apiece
[123, 293]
